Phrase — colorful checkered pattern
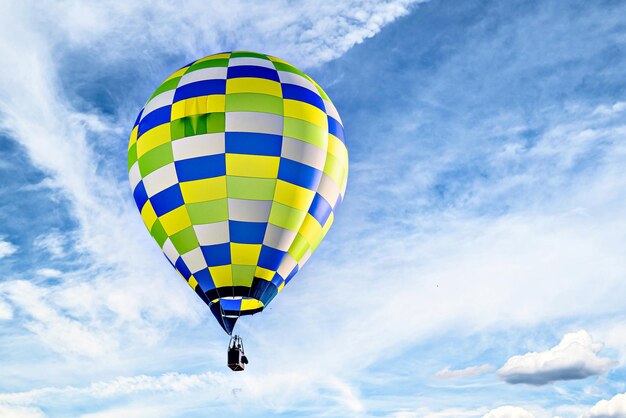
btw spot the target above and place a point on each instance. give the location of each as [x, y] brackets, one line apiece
[237, 164]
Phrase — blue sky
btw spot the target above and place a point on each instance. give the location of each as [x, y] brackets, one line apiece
[475, 269]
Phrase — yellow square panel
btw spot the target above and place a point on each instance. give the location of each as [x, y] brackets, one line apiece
[198, 106]
[245, 254]
[276, 59]
[249, 304]
[253, 85]
[178, 73]
[216, 103]
[310, 229]
[325, 229]
[304, 111]
[203, 190]
[264, 274]
[337, 148]
[193, 282]
[175, 221]
[148, 215]
[293, 196]
[133, 136]
[222, 275]
[153, 138]
[245, 165]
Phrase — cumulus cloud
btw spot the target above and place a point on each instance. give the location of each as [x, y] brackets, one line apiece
[6, 248]
[575, 357]
[612, 408]
[509, 412]
[448, 373]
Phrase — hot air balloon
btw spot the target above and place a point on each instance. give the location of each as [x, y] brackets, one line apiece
[237, 164]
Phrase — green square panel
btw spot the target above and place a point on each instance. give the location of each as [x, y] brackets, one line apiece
[248, 54]
[177, 129]
[218, 62]
[306, 131]
[286, 217]
[298, 247]
[216, 122]
[158, 233]
[156, 158]
[185, 240]
[334, 168]
[254, 102]
[132, 155]
[208, 212]
[250, 188]
[243, 275]
[281, 66]
[195, 125]
[168, 85]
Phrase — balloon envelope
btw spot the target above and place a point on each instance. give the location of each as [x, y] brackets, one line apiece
[237, 164]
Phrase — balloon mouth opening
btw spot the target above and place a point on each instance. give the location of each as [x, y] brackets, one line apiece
[236, 306]
[228, 309]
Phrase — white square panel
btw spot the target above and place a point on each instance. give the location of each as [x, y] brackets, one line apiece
[198, 146]
[212, 234]
[160, 179]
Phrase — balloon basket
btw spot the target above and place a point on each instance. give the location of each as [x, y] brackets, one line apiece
[237, 359]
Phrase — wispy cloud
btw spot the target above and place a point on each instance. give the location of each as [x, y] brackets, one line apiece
[63, 141]
[189, 392]
[485, 196]
[308, 32]
[471, 371]
[118, 295]
[56, 330]
[53, 243]
[575, 357]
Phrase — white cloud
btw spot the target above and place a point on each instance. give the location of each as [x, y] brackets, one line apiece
[48, 272]
[471, 371]
[174, 392]
[509, 412]
[446, 413]
[308, 32]
[125, 297]
[6, 248]
[610, 110]
[612, 408]
[170, 382]
[111, 237]
[53, 243]
[575, 357]
[20, 412]
[5, 311]
[508, 265]
[58, 331]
